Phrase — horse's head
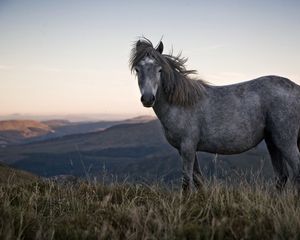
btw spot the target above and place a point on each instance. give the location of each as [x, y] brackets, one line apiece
[148, 72]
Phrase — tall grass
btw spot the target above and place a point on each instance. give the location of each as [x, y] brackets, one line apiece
[82, 210]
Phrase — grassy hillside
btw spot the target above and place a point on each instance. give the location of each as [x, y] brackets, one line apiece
[119, 211]
[11, 175]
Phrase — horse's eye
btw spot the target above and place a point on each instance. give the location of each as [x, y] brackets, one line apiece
[159, 70]
[136, 70]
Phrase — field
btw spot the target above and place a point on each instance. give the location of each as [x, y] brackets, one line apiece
[39, 209]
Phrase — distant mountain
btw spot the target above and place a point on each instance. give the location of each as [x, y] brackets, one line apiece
[15, 131]
[135, 151]
[25, 131]
[25, 127]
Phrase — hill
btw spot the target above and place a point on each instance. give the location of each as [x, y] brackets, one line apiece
[10, 175]
[135, 151]
[15, 131]
[63, 128]
[47, 210]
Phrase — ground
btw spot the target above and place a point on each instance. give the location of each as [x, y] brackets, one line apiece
[42, 209]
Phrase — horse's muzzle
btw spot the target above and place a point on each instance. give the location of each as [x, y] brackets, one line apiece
[148, 100]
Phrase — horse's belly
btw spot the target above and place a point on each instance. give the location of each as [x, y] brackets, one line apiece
[231, 142]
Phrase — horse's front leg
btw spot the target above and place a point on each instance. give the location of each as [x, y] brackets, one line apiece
[197, 175]
[187, 153]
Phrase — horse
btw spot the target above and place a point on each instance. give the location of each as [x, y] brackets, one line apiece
[229, 119]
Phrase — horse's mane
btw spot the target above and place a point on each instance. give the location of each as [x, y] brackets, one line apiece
[178, 85]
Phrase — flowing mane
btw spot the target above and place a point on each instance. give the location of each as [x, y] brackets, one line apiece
[177, 84]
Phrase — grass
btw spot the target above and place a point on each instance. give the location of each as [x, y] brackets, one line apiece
[48, 210]
[11, 175]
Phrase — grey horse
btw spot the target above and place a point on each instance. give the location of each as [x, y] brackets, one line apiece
[197, 116]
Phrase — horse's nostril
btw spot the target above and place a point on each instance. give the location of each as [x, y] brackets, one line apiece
[142, 98]
[152, 98]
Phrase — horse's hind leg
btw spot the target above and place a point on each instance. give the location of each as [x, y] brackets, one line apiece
[197, 174]
[293, 158]
[279, 164]
[289, 151]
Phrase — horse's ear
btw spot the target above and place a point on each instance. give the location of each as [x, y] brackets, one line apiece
[138, 43]
[160, 47]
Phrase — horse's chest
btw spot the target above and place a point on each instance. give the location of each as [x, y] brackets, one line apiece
[177, 130]
[173, 137]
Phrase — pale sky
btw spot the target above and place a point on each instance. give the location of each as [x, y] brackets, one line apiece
[71, 57]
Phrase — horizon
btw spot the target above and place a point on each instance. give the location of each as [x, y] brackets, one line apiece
[73, 117]
[62, 59]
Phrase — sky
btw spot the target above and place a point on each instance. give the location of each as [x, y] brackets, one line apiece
[71, 57]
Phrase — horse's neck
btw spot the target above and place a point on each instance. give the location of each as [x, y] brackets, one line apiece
[161, 107]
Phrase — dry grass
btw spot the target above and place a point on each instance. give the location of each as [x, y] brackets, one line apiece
[119, 211]
[12, 176]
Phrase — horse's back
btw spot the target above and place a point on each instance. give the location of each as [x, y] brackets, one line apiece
[271, 90]
[276, 85]
[267, 84]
